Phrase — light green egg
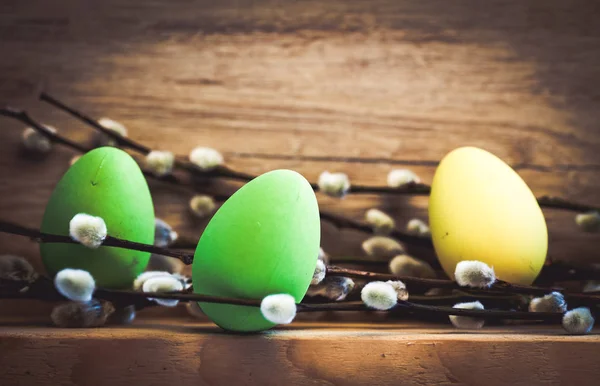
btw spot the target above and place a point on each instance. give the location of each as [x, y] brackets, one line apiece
[263, 240]
[108, 183]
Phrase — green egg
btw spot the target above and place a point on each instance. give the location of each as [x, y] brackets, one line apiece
[108, 183]
[263, 240]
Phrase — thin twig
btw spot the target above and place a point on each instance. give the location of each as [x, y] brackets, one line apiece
[338, 221]
[187, 258]
[126, 142]
[499, 286]
[222, 171]
[44, 290]
[483, 314]
[110, 241]
[24, 117]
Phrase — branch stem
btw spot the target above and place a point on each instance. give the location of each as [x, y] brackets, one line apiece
[498, 287]
[43, 289]
[110, 241]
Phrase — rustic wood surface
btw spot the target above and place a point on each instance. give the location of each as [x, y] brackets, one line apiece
[350, 86]
[160, 352]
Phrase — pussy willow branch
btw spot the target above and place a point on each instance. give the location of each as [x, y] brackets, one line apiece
[223, 171]
[410, 189]
[110, 241]
[552, 271]
[43, 289]
[24, 117]
[499, 287]
[336, 220]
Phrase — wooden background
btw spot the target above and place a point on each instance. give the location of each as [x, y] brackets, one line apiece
[359, 87]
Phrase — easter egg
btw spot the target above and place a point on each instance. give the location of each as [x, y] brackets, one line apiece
[481, 209]
[108, 183]
[263, 240]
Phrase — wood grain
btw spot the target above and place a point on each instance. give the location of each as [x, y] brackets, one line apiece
[308, 353]
[351, 86]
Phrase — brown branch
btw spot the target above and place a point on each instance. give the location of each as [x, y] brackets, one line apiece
[43, 289]
[413, 189]
[123, 141]
[499, 286]
[110, 241]
[560, 203]
[483, 314]
[22, 116]
[338, 221]
[222, 171]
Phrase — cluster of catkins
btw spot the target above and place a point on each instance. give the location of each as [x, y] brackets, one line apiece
[162, 162]
[384, 296]
[82, 310]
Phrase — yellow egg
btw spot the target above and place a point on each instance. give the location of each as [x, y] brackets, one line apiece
[481, 209]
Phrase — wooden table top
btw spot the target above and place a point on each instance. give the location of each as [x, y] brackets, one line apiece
[184, 352]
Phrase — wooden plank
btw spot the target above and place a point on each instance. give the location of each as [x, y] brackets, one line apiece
[395, 85]
[160, 352]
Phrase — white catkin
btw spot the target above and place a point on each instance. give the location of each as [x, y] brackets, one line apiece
[381, 222]
[475, 274]
[553, 302]
[279, 308]
[164, 235]
[74, 159]
[206, 158]
[139, 281]
[103, 139]
[334, 184]
[578, 321]
[323, 256]
[88, 230]
[400, 288]
[16, 268]
[468, 322]
[319, 274]
[379, 295]
[35, 141]
[75, 284]
[418, 227]
[163, 284]
[334, 288]
[382, 248]
[160, 163]
[81, 314]
[202, 205]
[398, 178]
[588, 222]
[405, 265]
[114, 126]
